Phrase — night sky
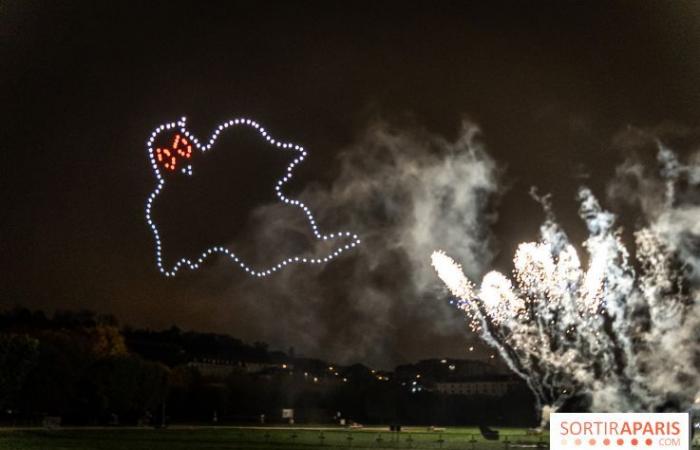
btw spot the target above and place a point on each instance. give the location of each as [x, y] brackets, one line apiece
[83, 84]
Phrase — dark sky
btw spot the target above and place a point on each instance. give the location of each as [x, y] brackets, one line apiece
[82, 85]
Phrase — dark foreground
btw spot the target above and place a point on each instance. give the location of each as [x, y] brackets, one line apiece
[203, 438]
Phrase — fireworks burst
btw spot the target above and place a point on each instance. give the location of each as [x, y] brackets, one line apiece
[621, 332]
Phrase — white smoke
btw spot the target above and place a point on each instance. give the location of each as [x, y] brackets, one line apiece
[622, 332]
[546, 415]
[404, 193]
[668, 193]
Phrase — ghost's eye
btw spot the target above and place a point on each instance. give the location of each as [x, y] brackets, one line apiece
[173, 157]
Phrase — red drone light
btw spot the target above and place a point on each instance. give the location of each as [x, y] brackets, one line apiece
[168, 156]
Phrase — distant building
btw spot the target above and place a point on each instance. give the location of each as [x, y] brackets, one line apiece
[495, 388]
[217, 368]
[439, 370]
[255, 367]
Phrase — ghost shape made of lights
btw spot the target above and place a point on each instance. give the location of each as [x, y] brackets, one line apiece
[178, 156]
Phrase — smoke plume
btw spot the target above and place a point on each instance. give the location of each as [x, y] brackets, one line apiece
[404, 193]
[666, 191]
[619, 329]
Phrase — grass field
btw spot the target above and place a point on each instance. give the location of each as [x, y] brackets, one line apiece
[203, 438]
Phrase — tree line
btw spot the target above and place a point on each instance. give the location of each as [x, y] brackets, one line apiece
[88, 370]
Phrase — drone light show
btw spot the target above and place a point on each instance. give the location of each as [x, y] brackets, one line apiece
[617, 330]
[175, 160]
[395, 224]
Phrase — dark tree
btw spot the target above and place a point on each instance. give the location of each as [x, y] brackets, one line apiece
[18, 355]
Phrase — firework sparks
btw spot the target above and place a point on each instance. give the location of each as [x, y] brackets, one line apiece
[450, 272]
[571, 330]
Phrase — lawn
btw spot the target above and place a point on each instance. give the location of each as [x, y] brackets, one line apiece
[209, 438]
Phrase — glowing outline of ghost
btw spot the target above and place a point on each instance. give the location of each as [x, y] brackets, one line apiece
[278, 191]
